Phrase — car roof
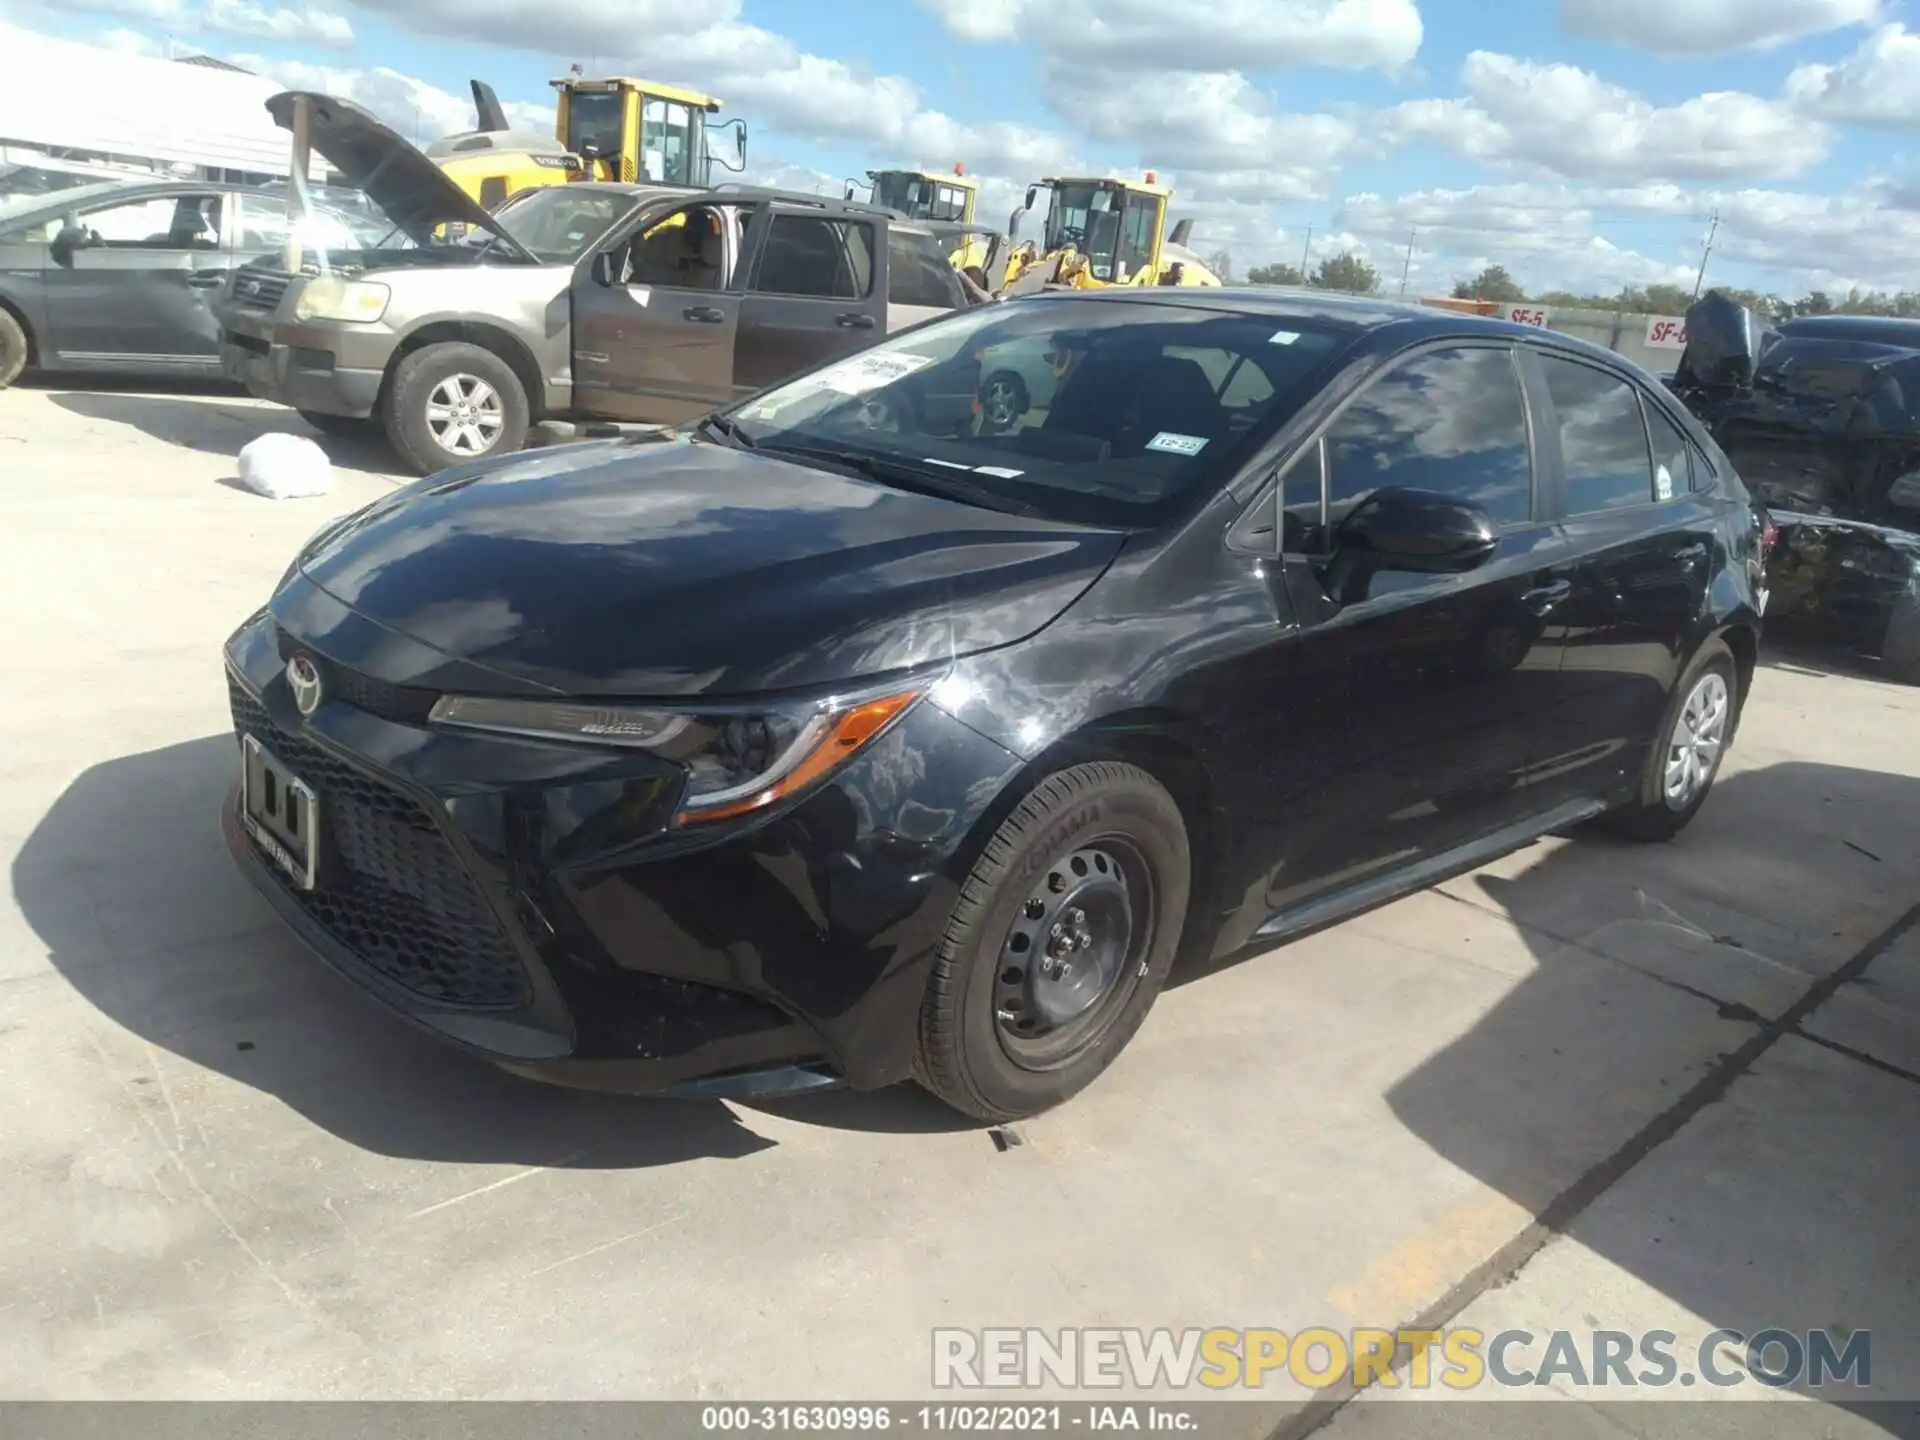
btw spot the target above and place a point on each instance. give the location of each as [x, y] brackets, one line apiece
[1398, 323]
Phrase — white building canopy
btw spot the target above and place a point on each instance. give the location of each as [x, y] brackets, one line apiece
[64, 96]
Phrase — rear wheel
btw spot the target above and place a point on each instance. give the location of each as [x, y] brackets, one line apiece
[1900, 651]
[1683, 762]
[451, 403]
[1003, 400]
[13, 348]
[1059, 943]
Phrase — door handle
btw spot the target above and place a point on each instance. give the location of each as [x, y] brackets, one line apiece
[854, 322]
[1543, 598]
[705, 314]
[206, 279]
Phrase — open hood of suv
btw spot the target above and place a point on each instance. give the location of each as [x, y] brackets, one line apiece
[413, 191]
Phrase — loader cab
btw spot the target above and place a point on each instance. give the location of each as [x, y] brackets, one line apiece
[924, 195]
[1118, 226]
[645, 133]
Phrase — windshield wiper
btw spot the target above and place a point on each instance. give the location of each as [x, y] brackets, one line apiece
[904, 475]
[728, 429]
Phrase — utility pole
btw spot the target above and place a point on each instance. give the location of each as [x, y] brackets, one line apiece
[1713, 228]
[1305, 251]
[1407, 269]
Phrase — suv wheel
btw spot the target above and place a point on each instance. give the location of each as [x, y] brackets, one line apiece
[1058, 945]
[13, 348]
[451, 403]
[1681, 766]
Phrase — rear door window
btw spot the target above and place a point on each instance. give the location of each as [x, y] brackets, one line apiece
[811, 256]
[1603, 438]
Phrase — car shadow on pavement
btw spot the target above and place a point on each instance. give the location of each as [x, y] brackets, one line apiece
[1662, 995]
[128, 882]
[221, 422]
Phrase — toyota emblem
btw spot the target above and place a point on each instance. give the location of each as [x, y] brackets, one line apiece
[304, 676]
[248, 287]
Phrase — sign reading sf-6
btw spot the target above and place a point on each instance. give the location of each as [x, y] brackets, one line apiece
[1667, 332]
[1535, 315]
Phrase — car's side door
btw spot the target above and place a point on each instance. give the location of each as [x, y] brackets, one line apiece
[1628, 594]
[817, 291]
[131, 281]
[655, 317]
[1427, 685]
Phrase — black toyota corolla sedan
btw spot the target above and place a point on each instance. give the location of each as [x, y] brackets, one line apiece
[866, 732]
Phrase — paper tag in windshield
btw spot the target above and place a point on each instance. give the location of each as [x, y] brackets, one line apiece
[1663, 484]
[1283, 337]
[1168, 443]
[870, 372]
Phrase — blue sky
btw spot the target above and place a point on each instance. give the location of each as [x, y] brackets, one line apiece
[1583, 143]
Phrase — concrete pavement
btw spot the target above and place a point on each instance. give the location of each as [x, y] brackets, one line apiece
[231, 1177]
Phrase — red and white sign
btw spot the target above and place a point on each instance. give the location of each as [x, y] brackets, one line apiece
[1667, 332]
[1534, 315]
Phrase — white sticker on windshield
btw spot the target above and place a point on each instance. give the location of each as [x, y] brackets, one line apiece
[998, 472]
[1283, 337]
[944, 464]
[1167, 443]
[1662, 484]
[869, 372]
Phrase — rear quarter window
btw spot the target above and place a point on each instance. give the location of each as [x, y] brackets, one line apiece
[918, 273]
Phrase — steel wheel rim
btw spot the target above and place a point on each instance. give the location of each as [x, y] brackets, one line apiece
[1698, 740]
[1074, 953]
[465, 415]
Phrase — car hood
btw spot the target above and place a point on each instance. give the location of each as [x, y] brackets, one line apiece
[413, 191]
[673, 568]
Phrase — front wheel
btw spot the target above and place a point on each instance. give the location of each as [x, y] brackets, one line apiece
[451, 403]
[1685, 759]
[13, 348]
[1058, 945]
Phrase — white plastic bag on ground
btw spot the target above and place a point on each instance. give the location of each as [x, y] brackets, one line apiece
[285, 467]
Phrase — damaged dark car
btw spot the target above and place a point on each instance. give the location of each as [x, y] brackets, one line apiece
[1821, 417]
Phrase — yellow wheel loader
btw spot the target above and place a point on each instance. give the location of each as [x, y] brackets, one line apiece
[945, 204]
[1102, 232]
[617, 129]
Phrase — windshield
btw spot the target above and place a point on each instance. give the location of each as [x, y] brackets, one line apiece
[1087, 217]
[1097, 411]
[909, 194]
[594, 121]
[559, 222]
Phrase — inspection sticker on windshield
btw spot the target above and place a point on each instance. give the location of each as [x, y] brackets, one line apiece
[999, 472]
[870, 372]
[1167, 443]
[1283, 337]
[1663, 484]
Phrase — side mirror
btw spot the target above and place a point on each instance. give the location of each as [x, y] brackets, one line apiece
[69, 239]
[1420, 531]
[603, 269]
[1182, 232]
[1033, 194]
[741, 135]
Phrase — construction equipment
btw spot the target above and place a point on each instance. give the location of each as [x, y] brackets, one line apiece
[623, 129]
[943, 202]
[1102, 232]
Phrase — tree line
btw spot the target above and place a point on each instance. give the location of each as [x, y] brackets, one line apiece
[1348, 272]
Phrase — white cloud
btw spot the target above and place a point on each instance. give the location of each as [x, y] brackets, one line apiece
[1569, 122]
[1708, 27]
[1879, 84]
[286, 25]
[1160, 35]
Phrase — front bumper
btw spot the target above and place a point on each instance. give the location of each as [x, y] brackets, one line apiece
[528, 902]
[328, 369]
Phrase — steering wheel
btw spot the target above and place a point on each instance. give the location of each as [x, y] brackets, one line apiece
[878, 415]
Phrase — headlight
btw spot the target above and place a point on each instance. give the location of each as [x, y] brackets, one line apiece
[737, 760]
[328, 297]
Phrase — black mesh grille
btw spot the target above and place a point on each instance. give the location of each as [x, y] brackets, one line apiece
[391, 888]
[407, 704]
[256, 287]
